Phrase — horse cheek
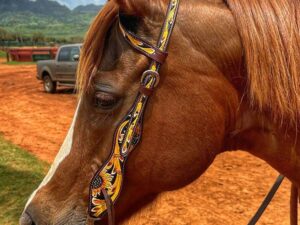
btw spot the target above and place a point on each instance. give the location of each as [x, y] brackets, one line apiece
[161, 163]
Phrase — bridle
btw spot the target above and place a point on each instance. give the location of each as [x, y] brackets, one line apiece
[106, 185]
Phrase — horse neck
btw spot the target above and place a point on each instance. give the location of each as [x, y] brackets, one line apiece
[251, 131]
[272, 83]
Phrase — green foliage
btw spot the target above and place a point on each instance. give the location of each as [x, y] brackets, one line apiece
[27, 24]
[2, 54]
[20, 174]
[5, 35]
[38, 37]
[57, 31]
[43, 21]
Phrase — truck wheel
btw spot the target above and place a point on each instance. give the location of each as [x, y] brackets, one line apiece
[49, 85]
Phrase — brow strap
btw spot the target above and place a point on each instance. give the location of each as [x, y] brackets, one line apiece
[142, 46]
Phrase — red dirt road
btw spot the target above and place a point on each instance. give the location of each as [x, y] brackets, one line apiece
[228, 193]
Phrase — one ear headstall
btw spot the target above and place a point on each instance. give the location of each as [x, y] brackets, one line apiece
[105, 187]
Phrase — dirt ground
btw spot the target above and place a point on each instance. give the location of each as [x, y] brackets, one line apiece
[228, 193]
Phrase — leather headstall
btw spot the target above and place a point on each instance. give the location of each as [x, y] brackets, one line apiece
[106, 185]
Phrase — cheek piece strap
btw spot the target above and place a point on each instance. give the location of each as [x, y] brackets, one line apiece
[106, 185]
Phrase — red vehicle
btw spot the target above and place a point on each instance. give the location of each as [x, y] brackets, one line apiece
[32, 54]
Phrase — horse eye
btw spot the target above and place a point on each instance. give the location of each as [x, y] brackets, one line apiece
[104, 100]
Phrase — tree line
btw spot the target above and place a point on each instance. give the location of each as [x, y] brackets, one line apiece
[14, 38]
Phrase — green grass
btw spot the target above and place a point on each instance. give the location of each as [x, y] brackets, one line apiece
[2, 54]
[20, 174]
[14, 63]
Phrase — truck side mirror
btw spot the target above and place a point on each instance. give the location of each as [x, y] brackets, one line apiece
[76, 57]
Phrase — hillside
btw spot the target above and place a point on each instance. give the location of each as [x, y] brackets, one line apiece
[40, 7]
[91, 8]
[27, 17]
[74, 3]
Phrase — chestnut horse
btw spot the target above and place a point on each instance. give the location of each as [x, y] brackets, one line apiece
[231, 81]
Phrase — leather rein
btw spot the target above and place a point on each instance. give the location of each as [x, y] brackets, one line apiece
[106, 185]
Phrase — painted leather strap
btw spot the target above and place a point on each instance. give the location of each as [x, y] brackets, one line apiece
[143, 46]
[110, 176]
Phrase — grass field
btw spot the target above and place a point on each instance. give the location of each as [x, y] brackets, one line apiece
[2, 54]
[20, 174]
[15, 63]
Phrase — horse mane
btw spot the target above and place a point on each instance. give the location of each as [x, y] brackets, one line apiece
[270, 36]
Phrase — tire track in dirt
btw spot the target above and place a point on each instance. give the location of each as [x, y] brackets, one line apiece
[228, 193]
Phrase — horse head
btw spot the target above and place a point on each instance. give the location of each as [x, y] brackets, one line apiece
[193, 114]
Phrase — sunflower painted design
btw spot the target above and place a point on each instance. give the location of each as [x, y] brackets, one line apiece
[110, 177]
[111, 180]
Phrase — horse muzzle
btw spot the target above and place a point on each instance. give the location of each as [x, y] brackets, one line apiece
[26, 219]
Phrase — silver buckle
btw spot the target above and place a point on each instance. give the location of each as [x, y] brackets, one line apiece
[150, 74]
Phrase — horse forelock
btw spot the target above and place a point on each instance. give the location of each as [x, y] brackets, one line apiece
[92, 50]
[270, 36]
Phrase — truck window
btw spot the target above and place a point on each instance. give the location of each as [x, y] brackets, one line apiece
[64, 55]
[74, 51]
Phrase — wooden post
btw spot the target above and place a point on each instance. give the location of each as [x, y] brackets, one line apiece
[7, 56]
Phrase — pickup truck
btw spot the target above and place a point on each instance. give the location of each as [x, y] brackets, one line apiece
[62, 70]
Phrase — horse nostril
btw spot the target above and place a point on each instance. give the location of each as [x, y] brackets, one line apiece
[26, 219]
